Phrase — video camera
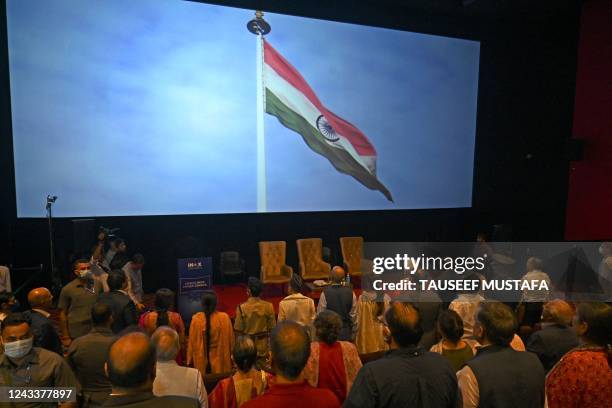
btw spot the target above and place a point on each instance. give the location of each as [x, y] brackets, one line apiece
[109, 233]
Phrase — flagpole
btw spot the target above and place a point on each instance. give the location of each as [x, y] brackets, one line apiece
[260, 27]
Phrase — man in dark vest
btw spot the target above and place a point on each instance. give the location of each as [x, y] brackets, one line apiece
[557, 337]
[340, 299]
[124, 309]
[499, 376]
[407, 376]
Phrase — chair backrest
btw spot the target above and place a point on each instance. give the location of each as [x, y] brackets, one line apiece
[272, 256]
[352, 252]
[310, 252]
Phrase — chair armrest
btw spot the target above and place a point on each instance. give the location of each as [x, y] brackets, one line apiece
[325, 266]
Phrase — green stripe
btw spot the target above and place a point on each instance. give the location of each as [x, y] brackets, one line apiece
[339, 158]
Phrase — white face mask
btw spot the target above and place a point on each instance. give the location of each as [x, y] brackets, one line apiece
[19, 348]
[85, 273]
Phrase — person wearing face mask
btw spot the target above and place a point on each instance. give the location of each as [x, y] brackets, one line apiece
[25, 366]
[76, 300]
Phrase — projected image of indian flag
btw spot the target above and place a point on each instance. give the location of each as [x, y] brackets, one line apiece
[294, 103]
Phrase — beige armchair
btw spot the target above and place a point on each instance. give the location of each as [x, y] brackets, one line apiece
[310, 253]
[273, 268]
[352, 255]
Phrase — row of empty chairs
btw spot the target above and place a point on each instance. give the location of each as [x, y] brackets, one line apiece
[274, 269]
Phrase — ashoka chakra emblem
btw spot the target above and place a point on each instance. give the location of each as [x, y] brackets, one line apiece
[326, 129]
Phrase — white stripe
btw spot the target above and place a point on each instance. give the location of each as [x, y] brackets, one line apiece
[300, 104]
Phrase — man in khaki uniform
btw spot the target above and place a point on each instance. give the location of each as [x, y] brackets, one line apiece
[255, 317]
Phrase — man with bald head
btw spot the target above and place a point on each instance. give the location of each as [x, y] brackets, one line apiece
[290, 350]
[170, 378]
[131, 371]
[340, 298]
[45, 335]
[407, 376]
[556, 337]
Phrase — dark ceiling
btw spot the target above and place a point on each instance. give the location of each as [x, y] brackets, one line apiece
[479, 9]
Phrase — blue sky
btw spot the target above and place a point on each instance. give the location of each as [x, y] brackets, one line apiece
[148, 107]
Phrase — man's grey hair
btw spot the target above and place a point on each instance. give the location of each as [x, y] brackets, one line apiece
[166, 342]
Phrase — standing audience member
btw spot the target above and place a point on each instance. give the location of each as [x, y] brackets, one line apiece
[530, 309]
[133, 274]
[332, 364]
[45, 335]
[583, 377]
[256, 318]
[5, 279]
[124, 310]
[7, 304]
[163, 315]
[170, 378]
[429, 304]
[452, 347]
[88, 354]
[499, 376]
[340, 299]
[605, 271]
[556, 337]
[211, 338]
[465, 305]
[247, 383]
[406, 376]
[75, 302]
[290, 349]
[297, 307]
[116, 246]
[131, 371]
[371, 307]
[22, 365]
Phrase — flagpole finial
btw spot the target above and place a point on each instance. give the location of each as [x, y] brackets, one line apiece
[258, 25]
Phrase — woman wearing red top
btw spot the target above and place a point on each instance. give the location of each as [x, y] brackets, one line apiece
[332, 364]
[583, 377]
[163, 316]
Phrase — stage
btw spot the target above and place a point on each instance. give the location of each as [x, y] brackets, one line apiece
[229, 296]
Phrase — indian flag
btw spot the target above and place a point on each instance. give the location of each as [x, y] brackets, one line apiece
[289, 97]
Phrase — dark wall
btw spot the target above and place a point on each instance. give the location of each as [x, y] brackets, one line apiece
[526, 90]
[589, 212]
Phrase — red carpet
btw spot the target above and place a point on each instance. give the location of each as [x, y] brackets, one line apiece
[230, 296]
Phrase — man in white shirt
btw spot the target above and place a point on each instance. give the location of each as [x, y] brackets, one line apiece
[296, 306]
[535, 272]
[170, 378]
[133, 275]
